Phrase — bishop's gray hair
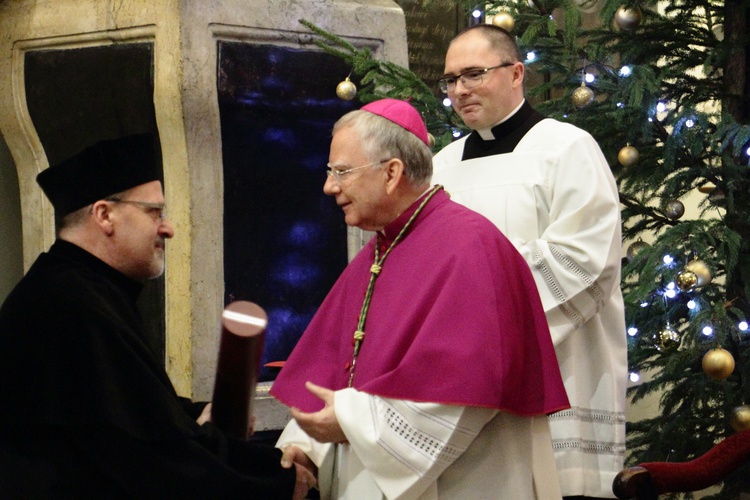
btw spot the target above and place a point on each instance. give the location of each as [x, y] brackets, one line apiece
[381, 139]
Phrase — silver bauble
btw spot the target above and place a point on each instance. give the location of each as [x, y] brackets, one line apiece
[674, 209]
[635, 248]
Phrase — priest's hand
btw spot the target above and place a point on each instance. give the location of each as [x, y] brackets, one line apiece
[323, 426]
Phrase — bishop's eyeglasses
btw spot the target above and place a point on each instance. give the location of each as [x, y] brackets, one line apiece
[338, 175]
[469, 79]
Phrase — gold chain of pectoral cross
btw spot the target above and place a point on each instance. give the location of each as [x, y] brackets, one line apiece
[377, 266]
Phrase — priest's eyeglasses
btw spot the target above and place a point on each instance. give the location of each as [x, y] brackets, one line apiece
[469, 79]
[157, 211]
[338, 175]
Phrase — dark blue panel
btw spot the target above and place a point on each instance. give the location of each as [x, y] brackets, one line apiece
[284, 240]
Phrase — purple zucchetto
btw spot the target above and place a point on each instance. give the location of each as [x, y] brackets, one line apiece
[101, 170]
[401, 113]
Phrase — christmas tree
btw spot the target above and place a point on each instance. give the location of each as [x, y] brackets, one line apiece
[663, 88]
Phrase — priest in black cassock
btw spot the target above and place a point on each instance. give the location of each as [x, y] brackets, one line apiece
[88, 409]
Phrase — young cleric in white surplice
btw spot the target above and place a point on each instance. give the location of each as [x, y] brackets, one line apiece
[546, 185]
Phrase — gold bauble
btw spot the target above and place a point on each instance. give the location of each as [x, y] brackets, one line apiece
[701, 270]
[346, 90]
[667, 339]
[718, 363]
[686, 280]
[628, 18]
[504, 20]
[628, 156]
[583, 96]
[635, 248]
[740, 418]
[430, 140]
[674, 209]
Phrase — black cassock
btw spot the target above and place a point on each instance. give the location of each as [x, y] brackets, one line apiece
[88, 411]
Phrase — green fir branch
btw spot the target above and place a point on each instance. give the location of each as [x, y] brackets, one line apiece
[381, 79]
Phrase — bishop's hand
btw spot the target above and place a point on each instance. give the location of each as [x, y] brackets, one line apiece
[323, 426]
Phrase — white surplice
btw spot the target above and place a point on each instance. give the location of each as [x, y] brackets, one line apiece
[555, 198]
[425, 451]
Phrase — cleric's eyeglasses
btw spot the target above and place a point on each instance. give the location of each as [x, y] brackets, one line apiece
[338, 174]
[469, 79]
[157, 211]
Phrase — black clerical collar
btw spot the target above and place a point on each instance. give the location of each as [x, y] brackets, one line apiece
[488, 134]
[507, 134]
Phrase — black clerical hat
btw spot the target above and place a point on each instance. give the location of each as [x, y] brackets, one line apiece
[100, 170]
